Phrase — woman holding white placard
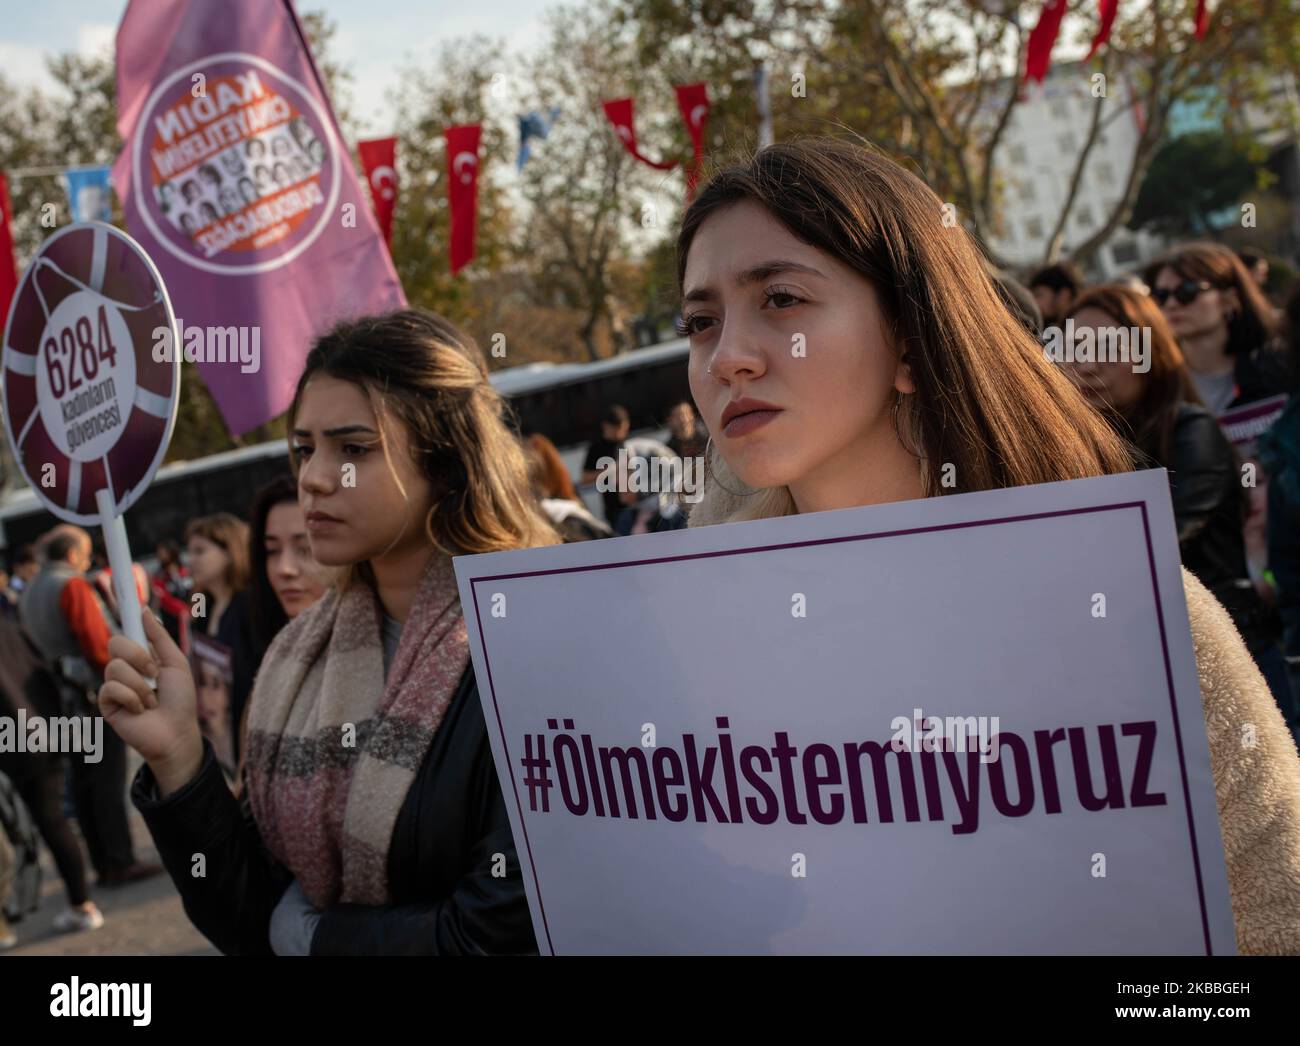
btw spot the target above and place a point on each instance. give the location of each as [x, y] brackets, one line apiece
[848, 348]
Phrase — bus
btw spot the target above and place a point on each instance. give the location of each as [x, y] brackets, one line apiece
[563, 401]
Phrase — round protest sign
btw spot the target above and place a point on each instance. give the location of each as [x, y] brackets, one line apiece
[87, 407]
[237, 165]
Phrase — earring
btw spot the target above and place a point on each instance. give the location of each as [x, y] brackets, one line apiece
[707, 457]
[893, 415]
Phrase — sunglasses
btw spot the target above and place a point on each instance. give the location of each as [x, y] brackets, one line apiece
[1186, 292]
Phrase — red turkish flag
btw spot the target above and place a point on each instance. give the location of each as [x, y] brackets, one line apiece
[379, 161]
[8, 269]
[462, 190]
[1202, 19]
[1107, 9]
[693, 101]
[1038, 58]
[619, 112]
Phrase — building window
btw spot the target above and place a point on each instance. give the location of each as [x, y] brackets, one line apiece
[1056, 106]
[1067, 143]
[1083, 216]
[1105, 173]
[1018, 154]
[1027, 193]
[1124, 253]
[1034, 228]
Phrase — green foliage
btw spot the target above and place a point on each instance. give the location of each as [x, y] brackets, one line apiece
[1190, 179]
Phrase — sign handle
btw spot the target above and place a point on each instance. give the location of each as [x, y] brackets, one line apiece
[119, 560]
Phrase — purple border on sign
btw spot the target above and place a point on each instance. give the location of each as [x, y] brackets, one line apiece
[1155, 591]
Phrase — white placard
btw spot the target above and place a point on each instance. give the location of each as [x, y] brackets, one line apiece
[771, 656]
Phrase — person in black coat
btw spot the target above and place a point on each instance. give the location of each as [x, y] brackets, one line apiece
[402, 457]
[446, 898]
[1155, 405]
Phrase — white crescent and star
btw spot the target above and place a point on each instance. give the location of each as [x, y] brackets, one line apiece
[467, 160]
[379, 176]
[698, 114]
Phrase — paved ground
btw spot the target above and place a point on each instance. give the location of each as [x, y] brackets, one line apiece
[143, 918]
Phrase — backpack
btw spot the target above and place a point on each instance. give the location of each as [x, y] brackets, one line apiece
[17, 825]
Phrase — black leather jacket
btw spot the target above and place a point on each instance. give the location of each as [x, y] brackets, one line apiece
[1208, 498]
[446, 901]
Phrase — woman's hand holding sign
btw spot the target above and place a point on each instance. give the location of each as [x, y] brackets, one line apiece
[163, 725]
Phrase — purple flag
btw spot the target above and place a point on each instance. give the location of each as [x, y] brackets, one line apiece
[235, 180]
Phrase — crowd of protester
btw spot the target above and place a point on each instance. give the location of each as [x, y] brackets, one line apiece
[1217, 343]
[222, 595]
[233, 773]
[222, 601]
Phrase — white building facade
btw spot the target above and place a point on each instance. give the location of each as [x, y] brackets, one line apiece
[1035, 162]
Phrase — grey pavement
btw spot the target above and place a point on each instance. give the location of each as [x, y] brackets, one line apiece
[141, 918]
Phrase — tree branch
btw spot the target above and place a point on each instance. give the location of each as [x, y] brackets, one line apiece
[1076, 179]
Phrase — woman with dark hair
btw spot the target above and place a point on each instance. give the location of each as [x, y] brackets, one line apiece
[1223, 323]
[921, 371]
[285, 580]
[371, 819]
[1160, 412]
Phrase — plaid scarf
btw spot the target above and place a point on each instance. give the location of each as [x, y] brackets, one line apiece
[332, 749]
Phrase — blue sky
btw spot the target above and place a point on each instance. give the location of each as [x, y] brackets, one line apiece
[374, 38]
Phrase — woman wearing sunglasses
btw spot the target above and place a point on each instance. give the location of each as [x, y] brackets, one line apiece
[1160, 413]
[1223, 323]
[918, 364]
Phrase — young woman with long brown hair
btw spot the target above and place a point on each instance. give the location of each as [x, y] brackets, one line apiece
[912, 363]
[371, 819]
